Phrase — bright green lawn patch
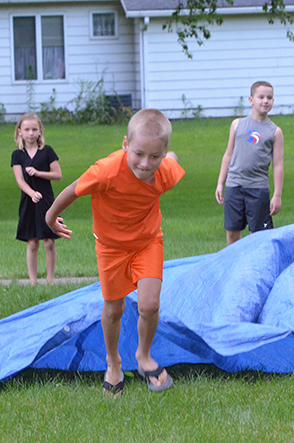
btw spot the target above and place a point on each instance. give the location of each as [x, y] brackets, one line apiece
[204, 405]
[15, 297]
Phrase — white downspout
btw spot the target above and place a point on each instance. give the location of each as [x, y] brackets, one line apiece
[144, 62]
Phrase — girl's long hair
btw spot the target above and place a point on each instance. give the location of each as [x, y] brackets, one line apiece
[20, 144]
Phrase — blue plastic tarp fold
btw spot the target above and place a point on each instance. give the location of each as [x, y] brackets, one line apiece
[233, 308]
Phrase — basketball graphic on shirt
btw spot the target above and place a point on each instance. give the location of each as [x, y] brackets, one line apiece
[252, 136]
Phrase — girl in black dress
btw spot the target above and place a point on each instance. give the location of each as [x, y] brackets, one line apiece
[35, 165]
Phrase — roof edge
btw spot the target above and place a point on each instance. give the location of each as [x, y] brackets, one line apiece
[221, 11]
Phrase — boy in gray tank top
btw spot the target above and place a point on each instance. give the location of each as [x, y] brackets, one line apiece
[254, 142]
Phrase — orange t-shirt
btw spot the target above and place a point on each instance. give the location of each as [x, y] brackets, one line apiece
[126, 212]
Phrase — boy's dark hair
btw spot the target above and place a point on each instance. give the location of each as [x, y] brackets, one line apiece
[257, 84]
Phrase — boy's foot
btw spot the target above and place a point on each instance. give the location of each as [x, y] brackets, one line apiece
[113, 391]
[148, 375]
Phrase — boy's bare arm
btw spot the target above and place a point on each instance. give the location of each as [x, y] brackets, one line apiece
[64, 199]
[226, 163]
[278, 172]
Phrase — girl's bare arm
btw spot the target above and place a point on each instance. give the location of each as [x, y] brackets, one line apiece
[54, 173]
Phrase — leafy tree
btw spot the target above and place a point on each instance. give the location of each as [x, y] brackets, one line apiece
[193, 17]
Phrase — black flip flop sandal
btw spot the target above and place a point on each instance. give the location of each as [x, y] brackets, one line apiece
[156, 373]
[113, 391]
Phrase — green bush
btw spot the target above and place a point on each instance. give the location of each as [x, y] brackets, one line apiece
[50, 114]
[92, 105]
[2, 113]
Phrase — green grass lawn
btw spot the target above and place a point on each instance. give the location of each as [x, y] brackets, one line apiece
[205, 405]
[192, 219]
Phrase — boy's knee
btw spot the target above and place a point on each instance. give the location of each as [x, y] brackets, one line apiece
[148, 308]
[233, 236]
[113, 311]
[149, 296]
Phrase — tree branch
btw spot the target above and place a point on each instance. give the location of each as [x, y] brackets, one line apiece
[193, 18]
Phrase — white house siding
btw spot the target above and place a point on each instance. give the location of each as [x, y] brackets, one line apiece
[242, 50]
[86, 59]
[151, 66]
[137, 65]
[5, 58]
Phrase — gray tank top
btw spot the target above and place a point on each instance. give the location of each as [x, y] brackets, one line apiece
[253, 151]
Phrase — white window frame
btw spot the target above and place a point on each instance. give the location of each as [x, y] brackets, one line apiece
[39, 55]
[104, 37]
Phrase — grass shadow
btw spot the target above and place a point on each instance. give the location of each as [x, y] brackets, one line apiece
[179, 372]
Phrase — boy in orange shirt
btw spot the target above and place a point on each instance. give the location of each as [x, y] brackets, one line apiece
[125, 188]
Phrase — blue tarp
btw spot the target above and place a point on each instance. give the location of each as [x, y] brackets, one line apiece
[233, 308]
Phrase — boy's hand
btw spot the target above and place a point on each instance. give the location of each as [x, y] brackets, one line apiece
[219, 194]
[275, 205]
[52, 218]
[59, 228]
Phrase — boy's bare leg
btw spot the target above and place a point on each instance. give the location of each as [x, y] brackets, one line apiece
[148, 306]
[233, 236]
[32, 259]
[111, 324]
[50, 256]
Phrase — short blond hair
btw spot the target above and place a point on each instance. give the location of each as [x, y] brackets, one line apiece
[257, 84]
[150, 123]
[20, 144]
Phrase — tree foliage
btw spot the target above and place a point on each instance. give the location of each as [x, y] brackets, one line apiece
[193, 18]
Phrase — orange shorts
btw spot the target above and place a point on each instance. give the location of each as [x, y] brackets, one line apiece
[119, 270]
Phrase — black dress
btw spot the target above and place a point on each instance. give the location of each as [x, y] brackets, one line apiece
[31, 222]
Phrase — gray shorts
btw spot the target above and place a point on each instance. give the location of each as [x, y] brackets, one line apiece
[247, 206]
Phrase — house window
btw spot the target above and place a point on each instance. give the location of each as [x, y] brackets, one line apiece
[25, 57]
[104, 24]
[39, 48]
